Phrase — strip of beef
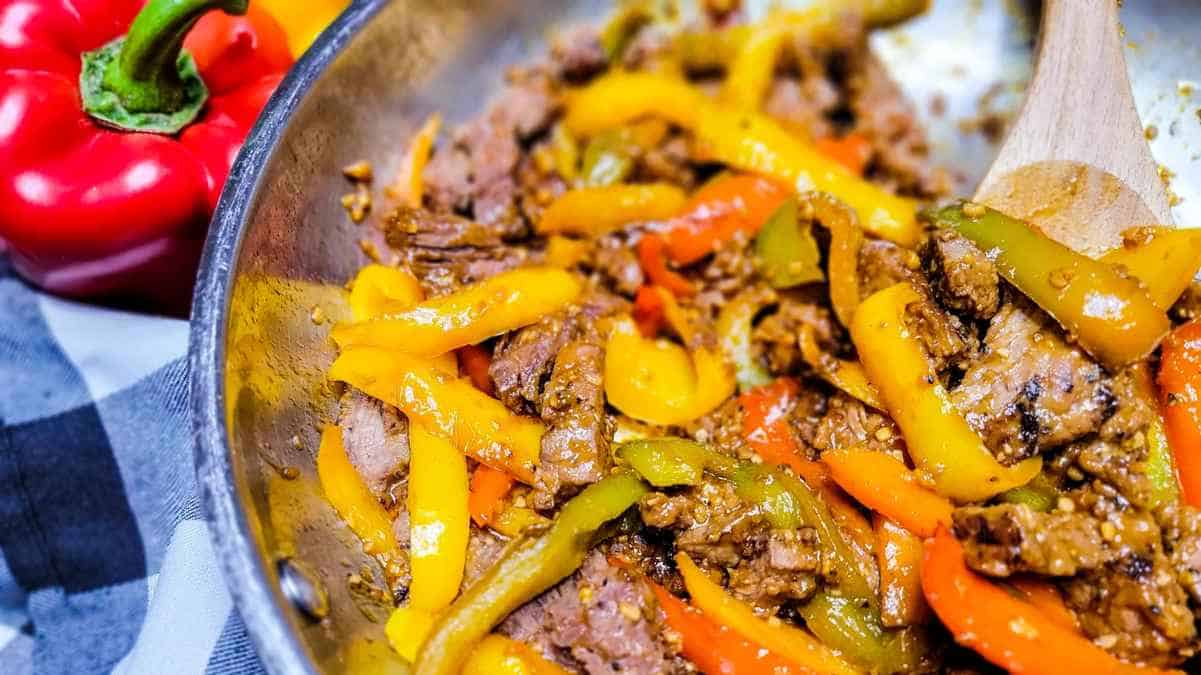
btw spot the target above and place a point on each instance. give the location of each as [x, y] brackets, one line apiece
[446, 251]
[1181, 525]
[614, 263]
[577, 54]
[714, 527]
[483, 549]
[523, 359]
[848, 423]
[965, 281]
[722, 429]
[575, 447]
[1007, 539]
[775, 338]
[474, 174]
[883, 264]
[1031, 391]
[1119, 464]
[376, 438]
[599, 621]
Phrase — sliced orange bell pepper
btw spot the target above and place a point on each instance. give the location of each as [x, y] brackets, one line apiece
[473, 362]
[899, 557]
[717, 649]
[593, 211]
[651, 256]
[1180, 392]
[350, 496]
[303, 21]
[488, 489]
[565, 253]
[378, 290]
[468, 316]
[475, 423]
[1046, 597]
[1008, 632]
[726, 205]
[439, 524]
[852, 151]
[409, 185]
[766, 429]
[789, 642]
[884, 484]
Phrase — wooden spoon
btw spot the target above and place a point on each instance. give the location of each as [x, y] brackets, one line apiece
[1076, 162]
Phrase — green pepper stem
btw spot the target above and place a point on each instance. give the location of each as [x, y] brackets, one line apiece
[146, 75]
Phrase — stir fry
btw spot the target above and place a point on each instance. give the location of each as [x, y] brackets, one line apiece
[686, 361]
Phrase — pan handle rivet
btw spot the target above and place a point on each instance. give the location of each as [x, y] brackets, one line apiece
[302, 589]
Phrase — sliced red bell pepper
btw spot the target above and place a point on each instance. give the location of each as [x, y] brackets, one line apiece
[649, 311]
[852, 151]
[488, 488]
[1003, 629]
[87, 208]
[715, 649]
[765, 428]
[474, 361]
[651, 256]
[1180, 394]
[722, 207]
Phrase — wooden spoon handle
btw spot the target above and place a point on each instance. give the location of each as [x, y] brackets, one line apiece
[1079, 107]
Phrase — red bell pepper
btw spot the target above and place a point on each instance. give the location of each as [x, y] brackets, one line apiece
[113, 150]
[654, 263]
[720, 208]
[649, 311]
[1180, 392]
[766, 429]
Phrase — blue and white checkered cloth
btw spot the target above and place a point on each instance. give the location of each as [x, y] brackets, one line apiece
[105, 559]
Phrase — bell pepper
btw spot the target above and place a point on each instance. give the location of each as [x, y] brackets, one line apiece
[944, 448]
[474, 361]
[848, 376]
[726, 205]
[406, 630]
[566, 253]
[1046, 598]
[883, 483]
[378, 290]
[512, 521]
[609, 157]
[649, 308]
[852, 151]
[468, 316]
[108, 189]
[899, 556]
[565, 151]
[1180, 396]
[1164, 259]
[488, 489]
[438, 519]
[1039, 494]
[846, 625]
[789, 642]
[1109, 315]
[651, 249]
[1008, 632]
[657, 381]
[786, 249]
[734, 335]
[409, 185]
[499, 655]
[766, 429]
[303, 21]
[528, 567]
[846, 240]
[753, 68]
[350, 496]
[451, 407]
[593, 211]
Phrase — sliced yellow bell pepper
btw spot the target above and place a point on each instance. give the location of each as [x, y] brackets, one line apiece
[744, 140]
[1165, 259]
[753, 68]
[438, 519]
[513, 520]
[565, 253]
[657, 381]
[406, 630]
[594, 211]
[350, 496]
[447, 406]
[846, 375]
[789, 642]
[499, 655]
[303, 21]
[842, 267]
[944, 448]
[469, 316]
[378, 290]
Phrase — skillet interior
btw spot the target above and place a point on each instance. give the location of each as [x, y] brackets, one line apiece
[282, 246]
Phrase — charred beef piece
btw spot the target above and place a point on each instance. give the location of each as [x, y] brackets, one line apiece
[965, 281]
[601, 620]
[474, 174]
[523, 358]
[1008, 539]
[376, 438]
[1031, 391]
[575, 447]
[883, 264]
[446, 251]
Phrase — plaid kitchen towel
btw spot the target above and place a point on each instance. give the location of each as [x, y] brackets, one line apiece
[105, 559]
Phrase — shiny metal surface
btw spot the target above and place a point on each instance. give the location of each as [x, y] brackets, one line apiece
[282, 246]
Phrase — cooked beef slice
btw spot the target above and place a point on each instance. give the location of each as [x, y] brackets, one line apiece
[947, 340]
[474, 173]
[1119, 464]
[523, 359]
[615, 264]
[1007, 539]
[803, 103]
[775, 339]
[446, 251]
[964, 280]
[715, 528]
[1136, 405]
[1031, 391]
[376, 438]
[1181, 525]
[601, 620]
[721, 428]
[575, 447]
[483, 549]
[576, 53]
[883, 264]
[848, 423]
[730, 270]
